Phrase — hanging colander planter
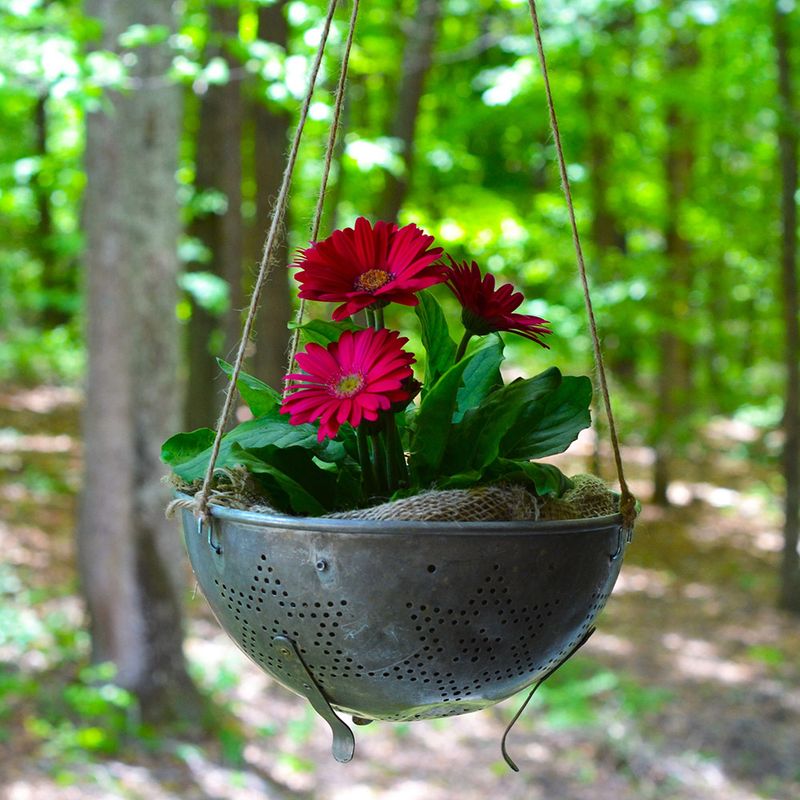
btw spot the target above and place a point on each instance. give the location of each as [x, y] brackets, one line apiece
[404, 620]
[416, 617]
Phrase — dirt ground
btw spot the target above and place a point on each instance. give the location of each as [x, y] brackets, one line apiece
[689, 690]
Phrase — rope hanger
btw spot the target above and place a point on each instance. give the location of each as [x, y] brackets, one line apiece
[266, 265]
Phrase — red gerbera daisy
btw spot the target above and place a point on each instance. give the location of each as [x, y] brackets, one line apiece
[351, 380]
[487, 309]
[367, 265]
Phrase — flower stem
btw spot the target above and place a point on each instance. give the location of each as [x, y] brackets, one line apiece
[370, 315]
[379, 323]
[367, 467]
[462, 346]
[395, 458]
[379, 464]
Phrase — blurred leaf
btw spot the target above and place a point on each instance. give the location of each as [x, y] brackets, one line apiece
[209, 291]
[260, 397]
[142, 35]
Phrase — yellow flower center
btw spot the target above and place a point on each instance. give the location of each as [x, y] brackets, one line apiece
[372, 280]
[348, 385]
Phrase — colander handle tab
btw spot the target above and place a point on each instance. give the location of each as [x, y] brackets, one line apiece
[344, 743]
[536, 685]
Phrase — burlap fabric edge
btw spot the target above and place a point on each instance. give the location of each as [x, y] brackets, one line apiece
[589, 497]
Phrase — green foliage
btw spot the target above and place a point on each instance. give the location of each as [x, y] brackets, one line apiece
[323, 332]
[431, 425]
[481, 377]
[209, 291]
[583, 693]
[468, 429]
[483, 178]
[74, 711]
[259, 397]
[295, 471]
[440, 349]
[465, 434]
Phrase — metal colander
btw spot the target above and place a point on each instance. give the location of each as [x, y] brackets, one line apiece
[403, 620]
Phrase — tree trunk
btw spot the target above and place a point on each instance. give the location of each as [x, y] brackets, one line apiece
[219, 169]
[674, 382]
[417, 60]
[130, 559]
[788, 152]
[271, 132]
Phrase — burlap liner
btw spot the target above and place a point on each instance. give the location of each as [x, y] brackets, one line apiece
[589, 497]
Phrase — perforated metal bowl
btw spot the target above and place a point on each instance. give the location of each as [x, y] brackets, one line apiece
[404, 620]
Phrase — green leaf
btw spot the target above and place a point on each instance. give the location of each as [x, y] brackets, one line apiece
[140, 35]
[551, 423]
[334, 485]
[481, 376]
[259, 397]
[544, 479]
[208, 290]
[300, 500]
[431, 424]
[184, 446]
[476, 441]
[324, 332]
[461, 480]
[271, 429]
[440, 348]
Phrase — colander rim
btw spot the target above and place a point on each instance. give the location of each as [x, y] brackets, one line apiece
[384, 527]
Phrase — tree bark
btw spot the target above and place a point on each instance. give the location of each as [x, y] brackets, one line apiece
[271, 133]
[218, 160]
[130, 559]
[675, 369]
[417, 59]
[788, 141]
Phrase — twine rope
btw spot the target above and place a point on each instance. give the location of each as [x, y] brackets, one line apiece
[627, 500]
[338, 106]
[264, 269]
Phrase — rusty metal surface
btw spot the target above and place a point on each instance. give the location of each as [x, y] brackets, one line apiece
[406, 620]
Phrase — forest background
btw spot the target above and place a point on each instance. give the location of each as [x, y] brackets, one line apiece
[141, 147]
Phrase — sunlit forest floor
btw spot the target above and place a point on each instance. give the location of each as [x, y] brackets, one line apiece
[689, 689]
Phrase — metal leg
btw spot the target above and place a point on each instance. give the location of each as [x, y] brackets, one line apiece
[211, 543]
[344, 743]
[538, 683]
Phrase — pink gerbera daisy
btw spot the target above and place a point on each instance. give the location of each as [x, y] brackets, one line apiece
[487, 309]
[350, 380]
[367, 265]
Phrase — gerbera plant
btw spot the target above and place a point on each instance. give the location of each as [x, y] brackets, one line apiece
[354, 425]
